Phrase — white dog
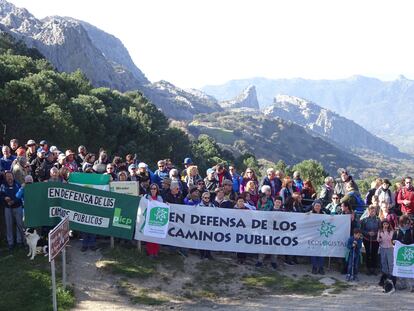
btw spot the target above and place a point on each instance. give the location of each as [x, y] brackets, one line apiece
[36, 244]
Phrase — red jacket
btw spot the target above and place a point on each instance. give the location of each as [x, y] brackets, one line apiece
[406, 194]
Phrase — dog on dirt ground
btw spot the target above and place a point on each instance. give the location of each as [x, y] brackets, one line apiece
[37, 245]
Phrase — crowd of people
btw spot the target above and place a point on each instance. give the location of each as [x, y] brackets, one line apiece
[378, 218]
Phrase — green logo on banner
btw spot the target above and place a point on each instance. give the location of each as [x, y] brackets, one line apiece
[405, 256]
[158, 216]
[326, 229]
[119, 221]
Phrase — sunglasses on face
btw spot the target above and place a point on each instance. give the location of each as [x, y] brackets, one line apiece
[154, 189]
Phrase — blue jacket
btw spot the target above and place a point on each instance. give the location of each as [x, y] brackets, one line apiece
[11, 191]
[236, 179]
[5, 163]
[159, 177]
[358, 247]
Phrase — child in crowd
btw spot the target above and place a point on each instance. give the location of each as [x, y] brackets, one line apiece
[384, 238]
[354, 246]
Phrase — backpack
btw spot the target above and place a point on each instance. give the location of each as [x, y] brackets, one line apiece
[359, 206]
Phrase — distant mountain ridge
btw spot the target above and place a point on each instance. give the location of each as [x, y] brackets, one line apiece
[329, 125]
[381, 107]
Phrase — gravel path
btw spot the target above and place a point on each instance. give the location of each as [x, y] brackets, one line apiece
[95, 290]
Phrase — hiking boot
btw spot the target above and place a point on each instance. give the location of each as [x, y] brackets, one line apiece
[321, 271]
[259, 264]
[382, 280]
[356, 279]
[209, 257]
[314, 270]
[274, 265]
[348, 277]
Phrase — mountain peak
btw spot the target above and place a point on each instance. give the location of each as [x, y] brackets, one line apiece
[246, 99]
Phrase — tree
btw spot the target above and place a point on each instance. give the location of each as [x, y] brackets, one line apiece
[311, 170]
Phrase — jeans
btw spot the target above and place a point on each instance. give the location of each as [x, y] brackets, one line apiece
[387, 260]
[88, 239]
[353, 262]
[14, 216]
[317, 262]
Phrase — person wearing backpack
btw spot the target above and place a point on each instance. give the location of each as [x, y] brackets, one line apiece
[406, 198]
[353, 198]
[384, 193]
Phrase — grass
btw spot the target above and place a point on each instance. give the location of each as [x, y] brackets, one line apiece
[273, 281]
[143, 296]
[128, 262]
[131, 263]
[27, 285]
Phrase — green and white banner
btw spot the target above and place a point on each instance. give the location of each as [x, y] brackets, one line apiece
[157, 219]
[89, 210]
[248, 231]
[96, 181]
[403, 260]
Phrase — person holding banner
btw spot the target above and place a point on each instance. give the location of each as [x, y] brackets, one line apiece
[317, 261]
[404, 235]
[153, 248]
[266, 204]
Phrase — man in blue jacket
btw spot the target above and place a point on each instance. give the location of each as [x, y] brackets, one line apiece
[13, 210]
[235, 178]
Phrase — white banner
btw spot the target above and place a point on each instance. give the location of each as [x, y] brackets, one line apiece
[251, 231]
[125, 187]
[403, 260]
[157, 218]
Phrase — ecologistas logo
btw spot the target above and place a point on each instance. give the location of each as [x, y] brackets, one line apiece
[120, 221]
[405, 256]
[326, 229]
[158, 216]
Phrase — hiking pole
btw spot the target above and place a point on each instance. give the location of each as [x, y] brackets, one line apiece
[352, 263]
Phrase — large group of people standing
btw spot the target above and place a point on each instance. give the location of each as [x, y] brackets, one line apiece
[378, 218]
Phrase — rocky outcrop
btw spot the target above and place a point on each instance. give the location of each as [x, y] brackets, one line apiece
[247, 99]
[70, 44]
[379, 106]
[329, 125]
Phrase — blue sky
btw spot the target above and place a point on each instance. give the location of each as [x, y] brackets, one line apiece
[192, 43]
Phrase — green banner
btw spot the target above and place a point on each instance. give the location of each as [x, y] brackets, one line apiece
[89, 210]
[89, 179]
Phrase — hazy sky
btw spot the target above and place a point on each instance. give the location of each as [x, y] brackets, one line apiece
[192, 43]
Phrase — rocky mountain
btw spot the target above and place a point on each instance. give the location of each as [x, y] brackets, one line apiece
[379, 106]
[70, 44]
[247, 99]
[272, 139]
[329, 125]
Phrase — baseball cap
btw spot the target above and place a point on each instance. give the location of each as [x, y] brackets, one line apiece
[188, 161]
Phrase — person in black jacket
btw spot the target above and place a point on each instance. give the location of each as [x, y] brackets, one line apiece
[43, 171]
[273, 181]
[174, 195]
